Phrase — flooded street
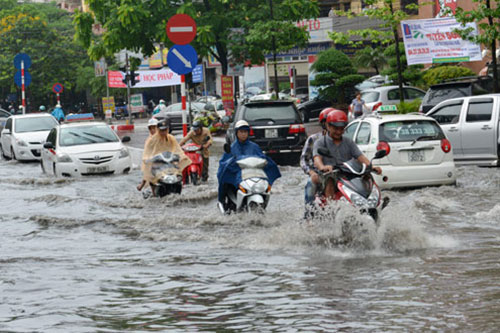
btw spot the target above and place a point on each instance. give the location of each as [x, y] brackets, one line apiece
[91, 255]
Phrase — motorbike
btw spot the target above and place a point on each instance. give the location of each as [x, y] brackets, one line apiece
[193, 172]
[355, 185]
[254, 189]
[167, 176]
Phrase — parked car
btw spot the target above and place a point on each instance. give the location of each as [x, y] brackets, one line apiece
[4, 114]
[373, 82]
[216, 106]
[301, 93]
[23, 135]
[84, 148]
[313, 107]
[472, 125]
[462, 87]
[206, 99]
[418, 152]
[174, 113]
[276, 126]
[389, 95]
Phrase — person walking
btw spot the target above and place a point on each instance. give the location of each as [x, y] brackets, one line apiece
[357, 106]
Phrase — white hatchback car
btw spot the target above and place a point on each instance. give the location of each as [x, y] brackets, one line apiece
[389, 95]
[419, 154]
[23, 135]
[84, 148]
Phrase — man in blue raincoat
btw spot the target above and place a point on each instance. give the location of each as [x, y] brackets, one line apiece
[229, 173]
[58, 113]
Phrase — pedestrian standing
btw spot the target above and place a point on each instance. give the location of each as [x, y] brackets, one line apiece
[358, 105]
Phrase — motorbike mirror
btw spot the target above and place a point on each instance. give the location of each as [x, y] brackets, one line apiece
[227, 148]
[380, 154]
[48, 145]
[126, 138]
[324, 152]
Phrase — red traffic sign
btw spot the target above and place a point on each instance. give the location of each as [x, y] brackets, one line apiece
[181, 29]
[57, 88]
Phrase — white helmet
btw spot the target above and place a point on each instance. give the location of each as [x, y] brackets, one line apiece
[152, 122]
[241, 124]
[162, 101]
[58, 105]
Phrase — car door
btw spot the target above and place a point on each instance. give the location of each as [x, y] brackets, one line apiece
[48, 156]
[392, 97]
[350, 130]
[6, 137]
[449, 116]
[363, 138]
[479, 139]
[412, 94]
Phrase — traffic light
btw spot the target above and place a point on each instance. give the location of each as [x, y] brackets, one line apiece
[133, 79]
[126, 79]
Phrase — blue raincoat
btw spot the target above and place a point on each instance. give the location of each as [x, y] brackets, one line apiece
[230, 172]
[58, 114]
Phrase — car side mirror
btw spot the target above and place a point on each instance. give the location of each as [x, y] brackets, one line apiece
[6, 131]
[126, 139]
[380, 154]
[324, 152]
[48, 145]
[227, 148]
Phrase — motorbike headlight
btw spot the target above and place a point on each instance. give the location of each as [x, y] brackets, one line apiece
[374, 198]
[358, 200]
[64, 158]
[21, 143]
[170, 179]
[124, 153]
[260, 186]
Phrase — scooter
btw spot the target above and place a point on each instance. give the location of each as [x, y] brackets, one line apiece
[355, 185]
[254, 189]
[167, 176]
[193, 172]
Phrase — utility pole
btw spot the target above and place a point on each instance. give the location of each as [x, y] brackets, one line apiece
[127, 75]
[276, 84]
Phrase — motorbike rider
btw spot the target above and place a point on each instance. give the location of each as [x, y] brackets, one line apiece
[229, 172]
[58, 113]
[160, 107]
[160, 142]
[341, 149]
[152, 128]
[307, 163]
[201, 136]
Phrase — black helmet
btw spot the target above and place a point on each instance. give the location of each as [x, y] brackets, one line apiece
[196, 125]
[164, 124]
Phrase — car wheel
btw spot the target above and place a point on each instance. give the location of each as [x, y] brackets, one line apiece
[43, 168]
[54, 168]
[12, 154]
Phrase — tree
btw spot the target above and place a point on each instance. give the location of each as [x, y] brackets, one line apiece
[336, 76]
[44, 32]
[439, 74]
[409, 74]
[370, 58]
[387, 34]
[489, 25]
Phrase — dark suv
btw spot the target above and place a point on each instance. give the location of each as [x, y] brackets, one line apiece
[276, 126]
[461, 87]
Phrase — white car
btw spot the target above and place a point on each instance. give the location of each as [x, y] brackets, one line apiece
[389, 95]
[419, 154]
[23, 135]
[84, 148]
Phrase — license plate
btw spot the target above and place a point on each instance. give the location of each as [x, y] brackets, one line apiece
[99, 169]
[416, 156]
[271, 133]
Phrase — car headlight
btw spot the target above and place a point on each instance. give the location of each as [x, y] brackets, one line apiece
[21, 143]
[64, 158]
[374, 198]
[124, 153]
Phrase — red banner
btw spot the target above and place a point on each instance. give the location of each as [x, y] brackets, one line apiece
[441, 6]
[227, 93]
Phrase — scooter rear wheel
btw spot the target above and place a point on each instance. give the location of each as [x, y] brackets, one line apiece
[194, 179]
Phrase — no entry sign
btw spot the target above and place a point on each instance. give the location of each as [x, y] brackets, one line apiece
[57, 88]
[181, 29]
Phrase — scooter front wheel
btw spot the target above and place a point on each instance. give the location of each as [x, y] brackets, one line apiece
[194, 179]
[254, 207]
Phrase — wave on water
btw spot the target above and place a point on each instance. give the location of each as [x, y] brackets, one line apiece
[41, 181]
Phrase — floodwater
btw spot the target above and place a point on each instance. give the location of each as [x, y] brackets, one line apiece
[91, 255]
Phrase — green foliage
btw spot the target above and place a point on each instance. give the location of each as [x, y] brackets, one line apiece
[336, 76]
[409, 107]
[412, 75]
[370, 58]
[439, 74]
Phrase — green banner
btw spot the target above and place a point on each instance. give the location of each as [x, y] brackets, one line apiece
[453, 59]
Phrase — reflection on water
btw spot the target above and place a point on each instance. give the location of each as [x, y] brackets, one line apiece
[87, 255]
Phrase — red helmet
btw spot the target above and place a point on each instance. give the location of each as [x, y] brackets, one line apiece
[323, 114]
[337, 118]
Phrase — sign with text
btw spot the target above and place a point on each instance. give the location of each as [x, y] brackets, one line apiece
[198, 74]
[108, 106]
[227, 92]
[443, 5]
[317, 28]
[137, 103]
[148, 79]
[433, 41]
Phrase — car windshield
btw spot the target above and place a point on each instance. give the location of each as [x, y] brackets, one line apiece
[269, 112]
[34, 124]
[83, 135]
[438, 94]
[370, 96]
[410, 130]
[177, 107]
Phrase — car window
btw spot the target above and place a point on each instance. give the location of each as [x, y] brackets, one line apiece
[409, 130]
[52, 136]
[411, 93]
[370, 96]
[8, 124]
[364, 133]
[174, 108]
[479, 110]
[436, 95]
[34, 124]
[82, 135]
[393, 94]
[266, 112]
[4, 114]
[350, 130]
[448, 114]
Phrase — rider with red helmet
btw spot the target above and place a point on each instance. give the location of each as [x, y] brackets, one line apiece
[341, 149]
[307, 162]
